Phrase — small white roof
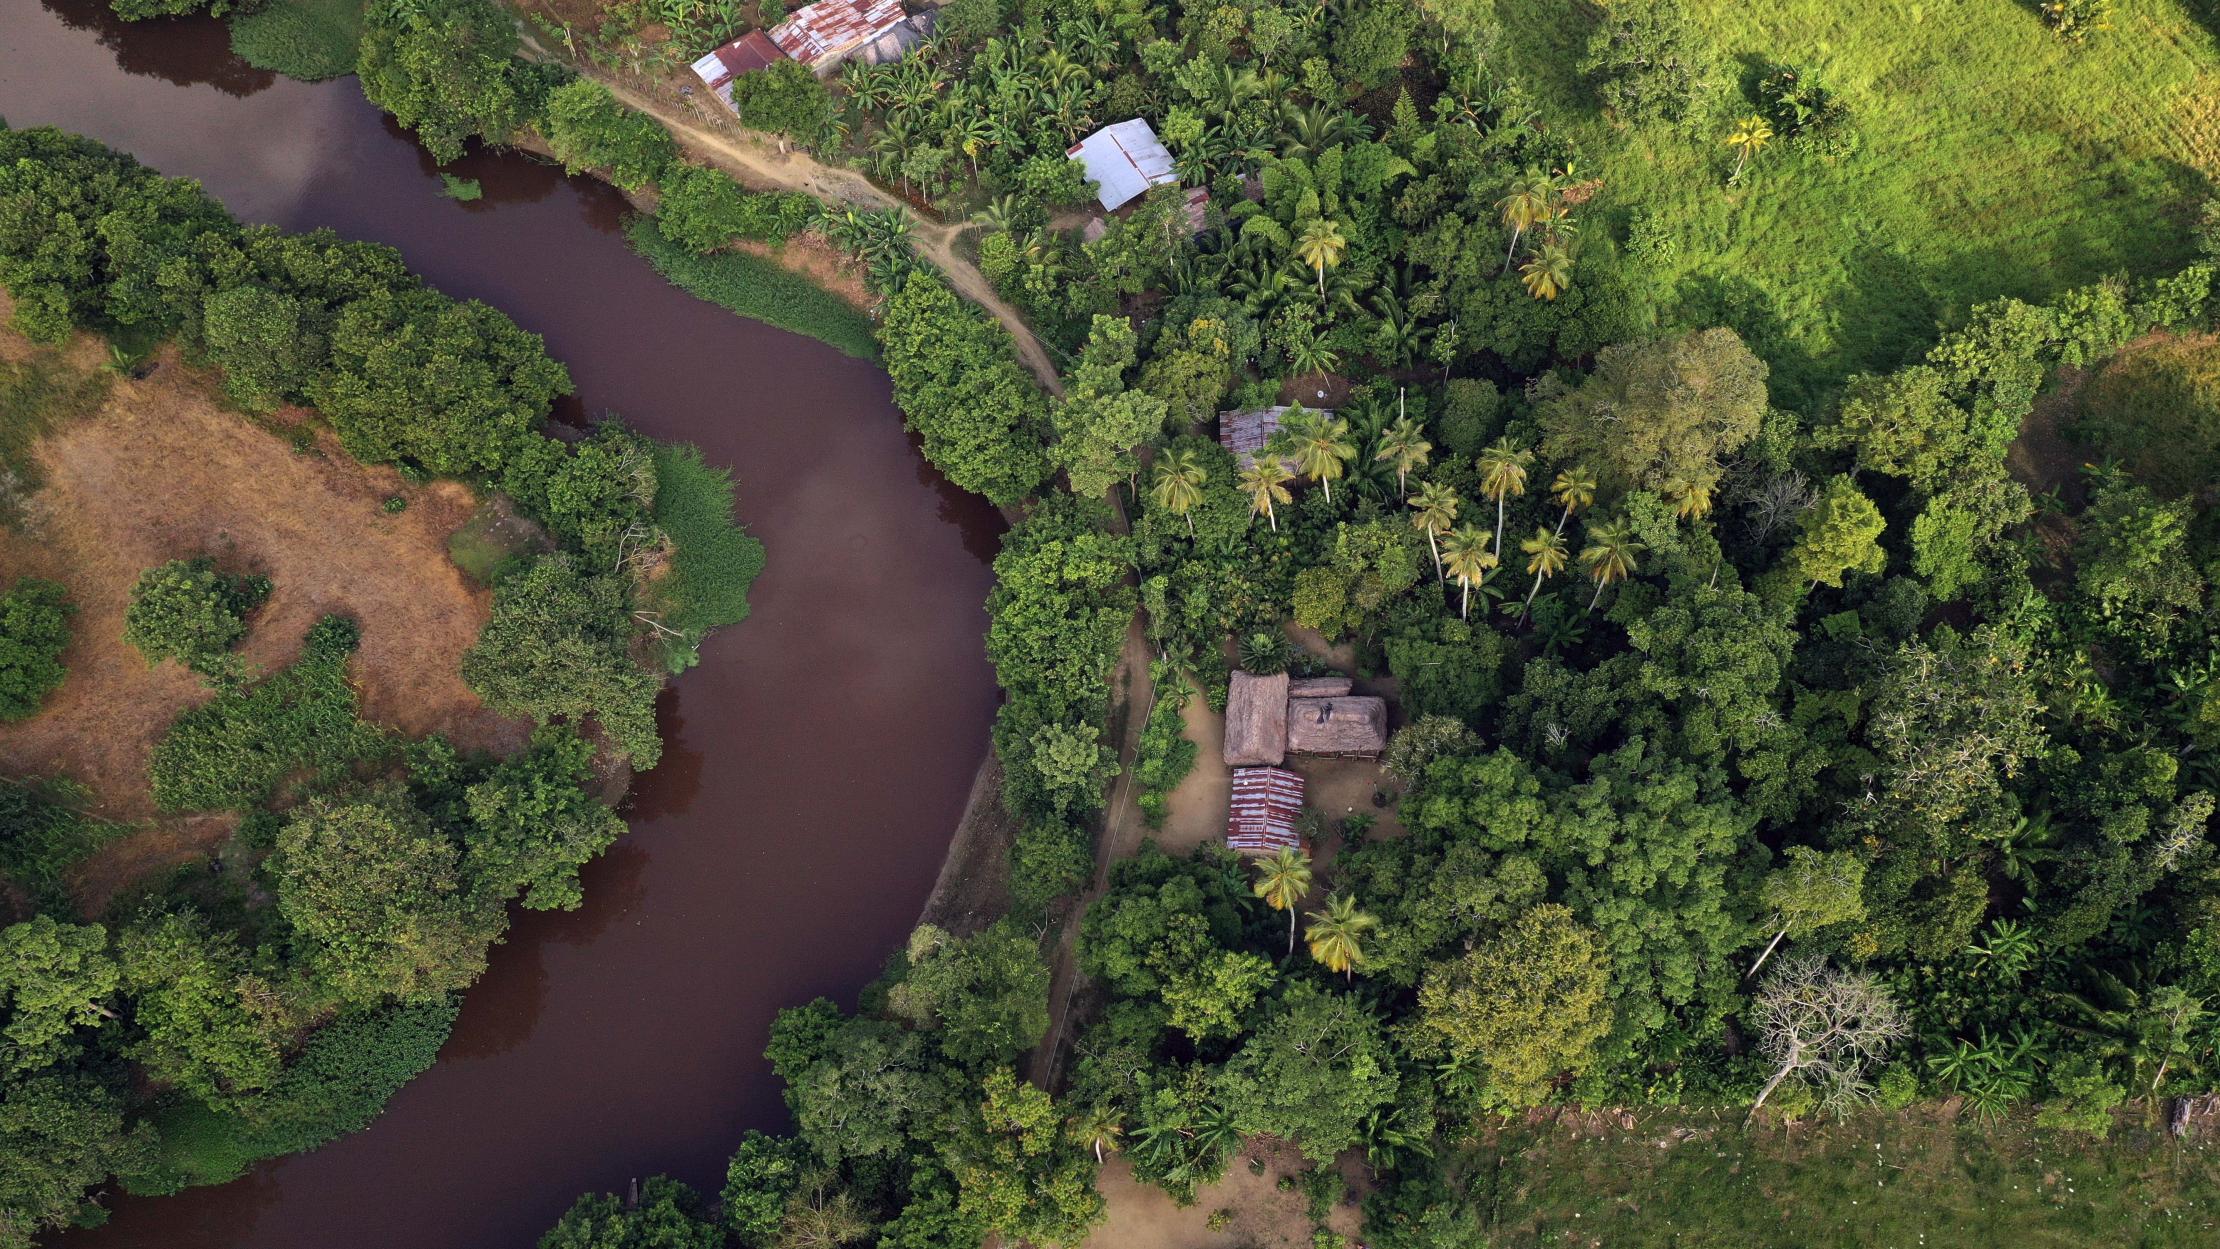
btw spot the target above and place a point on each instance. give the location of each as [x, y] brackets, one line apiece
[1123, 161]
[711, 70]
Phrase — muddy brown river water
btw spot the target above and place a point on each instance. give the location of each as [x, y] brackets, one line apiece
[817, 760]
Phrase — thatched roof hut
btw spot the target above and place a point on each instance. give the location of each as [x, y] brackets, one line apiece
[1319, 687]
[1256, 720]
[1349, 725]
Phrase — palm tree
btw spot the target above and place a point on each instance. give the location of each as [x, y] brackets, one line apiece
[1575, 487]
[1266, 484]
[1436, 510]
[1282, 881]
[1750, 136]
[1178, 485]
[1527, 205]
[1609, 556]
[1320, 247]
[1336, 936]
[1549, 273]
[1403, 445]
[1469, 559]
[1321, 444]
[1691, 496]
[1098, 1128]
[1545, 557]
[1503, 474]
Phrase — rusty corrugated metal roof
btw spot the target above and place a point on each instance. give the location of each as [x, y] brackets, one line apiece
[830, 27]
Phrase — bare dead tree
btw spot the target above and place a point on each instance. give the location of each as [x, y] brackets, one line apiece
[1825, 1026]
[1775, 501]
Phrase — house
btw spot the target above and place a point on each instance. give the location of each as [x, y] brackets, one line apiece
[1196, 209]
[824, 34]
[1123, 160]
[1245, 433]
[745, 55]
[1261, 819]
[1269, 718]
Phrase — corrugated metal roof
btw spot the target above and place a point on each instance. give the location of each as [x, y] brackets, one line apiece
[828, 28]
[1245, 433]
[1123, 161]
[746, 54]
[1261, 818]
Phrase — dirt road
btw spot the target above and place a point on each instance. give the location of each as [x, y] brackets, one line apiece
[725, 143]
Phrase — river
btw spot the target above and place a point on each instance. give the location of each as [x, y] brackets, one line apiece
[817, 760]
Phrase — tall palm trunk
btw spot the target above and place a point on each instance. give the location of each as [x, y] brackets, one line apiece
[1513, 250]
[1597, 597]
[1464, 609]
[1272, 514]
[1562, 517]
[1529, 605]
[1290, 931]
[1499, 501]
[1436, 549]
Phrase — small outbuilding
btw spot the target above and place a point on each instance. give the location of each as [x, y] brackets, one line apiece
[1261, 819]
[1350, 726]
[1244, 433]
[824, 34]
[1124, 160]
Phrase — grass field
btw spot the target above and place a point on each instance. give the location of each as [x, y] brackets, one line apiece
[1994, 159]
[305, 39]
[758, 289]
[1901, 1180]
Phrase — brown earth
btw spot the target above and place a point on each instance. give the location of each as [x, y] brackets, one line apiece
[163, 470]
[973, 889]
[1258, 1214]
[819, 261]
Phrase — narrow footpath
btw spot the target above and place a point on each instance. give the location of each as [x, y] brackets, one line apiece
[759, 165]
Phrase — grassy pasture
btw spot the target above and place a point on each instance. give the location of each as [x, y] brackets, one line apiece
[1994, 159]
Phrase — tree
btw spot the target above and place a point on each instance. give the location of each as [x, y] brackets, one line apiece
[762, 1176]
[209, 1025]
[1646, 62]
[1468, 559]
[1575, 488]
[1528, 1004]
[986, 995]
[866, 1091]
[1336, 935]
[1824, 1026]
[1842, 534]
[785, 99]
[1017, 1172]
[1265, 482]
[1177, 485]
[533, 825]
[375, 896]
[2133, 552]
[1545, 557]
[1098, 422]
[1283, 880]
[1659, 412]
[1433, 511]
[667, 1215]
[1750, 136]
[556, 649]
[446, 69]
[959, 385]
[1404, 446]
[187, 611]
[1530, 202]
[1312, 1073]
[55, 978]
[1320, 444]
[1548, 272]
[1810, 891]
[1609, 556]
[34, 631]
[588, 130]
[1503, 476]
[60, 1135]
[1320, 246]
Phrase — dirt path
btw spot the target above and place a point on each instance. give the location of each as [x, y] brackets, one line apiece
[725, 143]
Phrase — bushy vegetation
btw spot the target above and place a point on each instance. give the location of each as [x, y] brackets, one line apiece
[306, 39]
[41, 838]
[712, 561]
[34, 631]
[589, 130]
[756, 288]
[957, 380]
[556, 650]
[188, 611]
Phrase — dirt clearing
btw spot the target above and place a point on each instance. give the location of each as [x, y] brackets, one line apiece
[162, 470]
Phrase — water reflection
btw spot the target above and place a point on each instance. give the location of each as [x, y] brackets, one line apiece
[671, 788]
[187, 51]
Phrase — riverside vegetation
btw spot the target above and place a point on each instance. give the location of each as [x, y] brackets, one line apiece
[1797, 580]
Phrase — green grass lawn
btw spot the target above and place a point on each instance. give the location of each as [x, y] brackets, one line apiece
[1994, 159]
[1900, 1180]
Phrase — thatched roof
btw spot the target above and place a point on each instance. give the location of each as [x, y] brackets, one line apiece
[1336, 726]
[1319, 687]
[1256, 720]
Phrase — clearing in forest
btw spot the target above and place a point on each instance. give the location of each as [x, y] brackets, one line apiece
[161, 469]
[1992, 158]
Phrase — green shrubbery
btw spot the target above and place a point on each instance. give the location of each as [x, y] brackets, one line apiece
[187, 611]
[34, 631]
[589, 130]
[306, 39]
[712, 562]
[41, 839]
[760, 289]
[704, 209]
[556, 649]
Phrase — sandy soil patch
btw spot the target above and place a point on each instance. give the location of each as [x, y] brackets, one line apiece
[1195, 810]
[164, 471]
[1142, 1216]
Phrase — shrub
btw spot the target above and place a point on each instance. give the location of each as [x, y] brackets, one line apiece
[238, 749]
[40, 840]
[556, 649]
[589, 130]
[1166, 756]
[713, 560]
[2076, 20]
[703, 209]
[34, 630]
[1049, 861]
[187, 611]
[306, 39]
[756, 288]
[1647, 63]
[1804, 112]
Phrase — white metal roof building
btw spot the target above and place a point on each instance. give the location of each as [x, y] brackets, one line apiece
[1123, 161]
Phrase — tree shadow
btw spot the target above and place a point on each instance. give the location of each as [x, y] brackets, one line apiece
[186, 51]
